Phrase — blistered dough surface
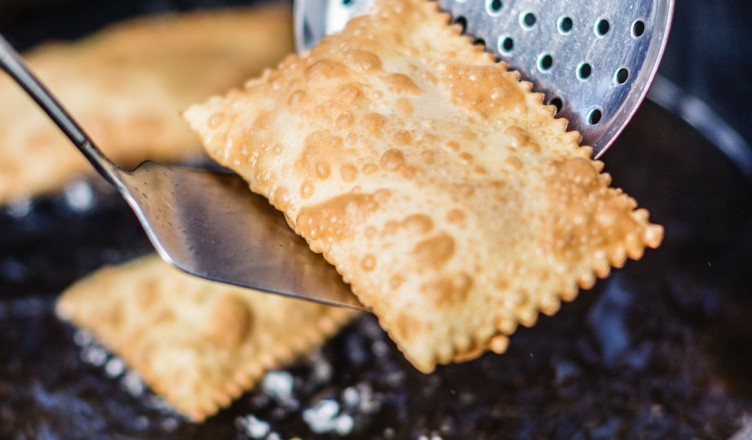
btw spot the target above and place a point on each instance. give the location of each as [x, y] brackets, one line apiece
[198, 344]
[432, 178]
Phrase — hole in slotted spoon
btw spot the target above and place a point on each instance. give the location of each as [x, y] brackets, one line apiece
[622, 75]
[462, 21]
[565, 25]
[602, 27]
[528, 20]
[638, 28]
[556, 102]
[506, 44]
[594, 117]
[584, 71]
[545, 62]
[494, 7]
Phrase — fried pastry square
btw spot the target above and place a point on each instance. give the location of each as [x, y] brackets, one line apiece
[436, 182]
[198, 344]
[127, 85]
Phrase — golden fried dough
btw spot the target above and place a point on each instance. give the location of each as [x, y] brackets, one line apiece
[199, 344]
[435, 181]
[127, 85]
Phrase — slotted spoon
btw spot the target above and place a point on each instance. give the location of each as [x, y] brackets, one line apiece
[594, 59]
[594, 62]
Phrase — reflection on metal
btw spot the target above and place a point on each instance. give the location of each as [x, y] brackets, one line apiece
[702, 118]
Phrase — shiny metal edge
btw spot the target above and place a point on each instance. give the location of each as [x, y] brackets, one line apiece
[636, 99]
[695, 112]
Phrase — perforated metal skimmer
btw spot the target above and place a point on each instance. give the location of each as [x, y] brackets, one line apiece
[594, 59]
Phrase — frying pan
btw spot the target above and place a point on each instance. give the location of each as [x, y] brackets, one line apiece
[661, 349]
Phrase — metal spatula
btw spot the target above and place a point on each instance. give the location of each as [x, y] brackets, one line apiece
[594, 59]
[205, 223]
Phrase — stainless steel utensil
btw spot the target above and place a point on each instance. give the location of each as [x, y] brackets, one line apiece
[594, 60]
[205, 223]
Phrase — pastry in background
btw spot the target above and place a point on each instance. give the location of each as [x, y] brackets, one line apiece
[197, 343]
[127, 85]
